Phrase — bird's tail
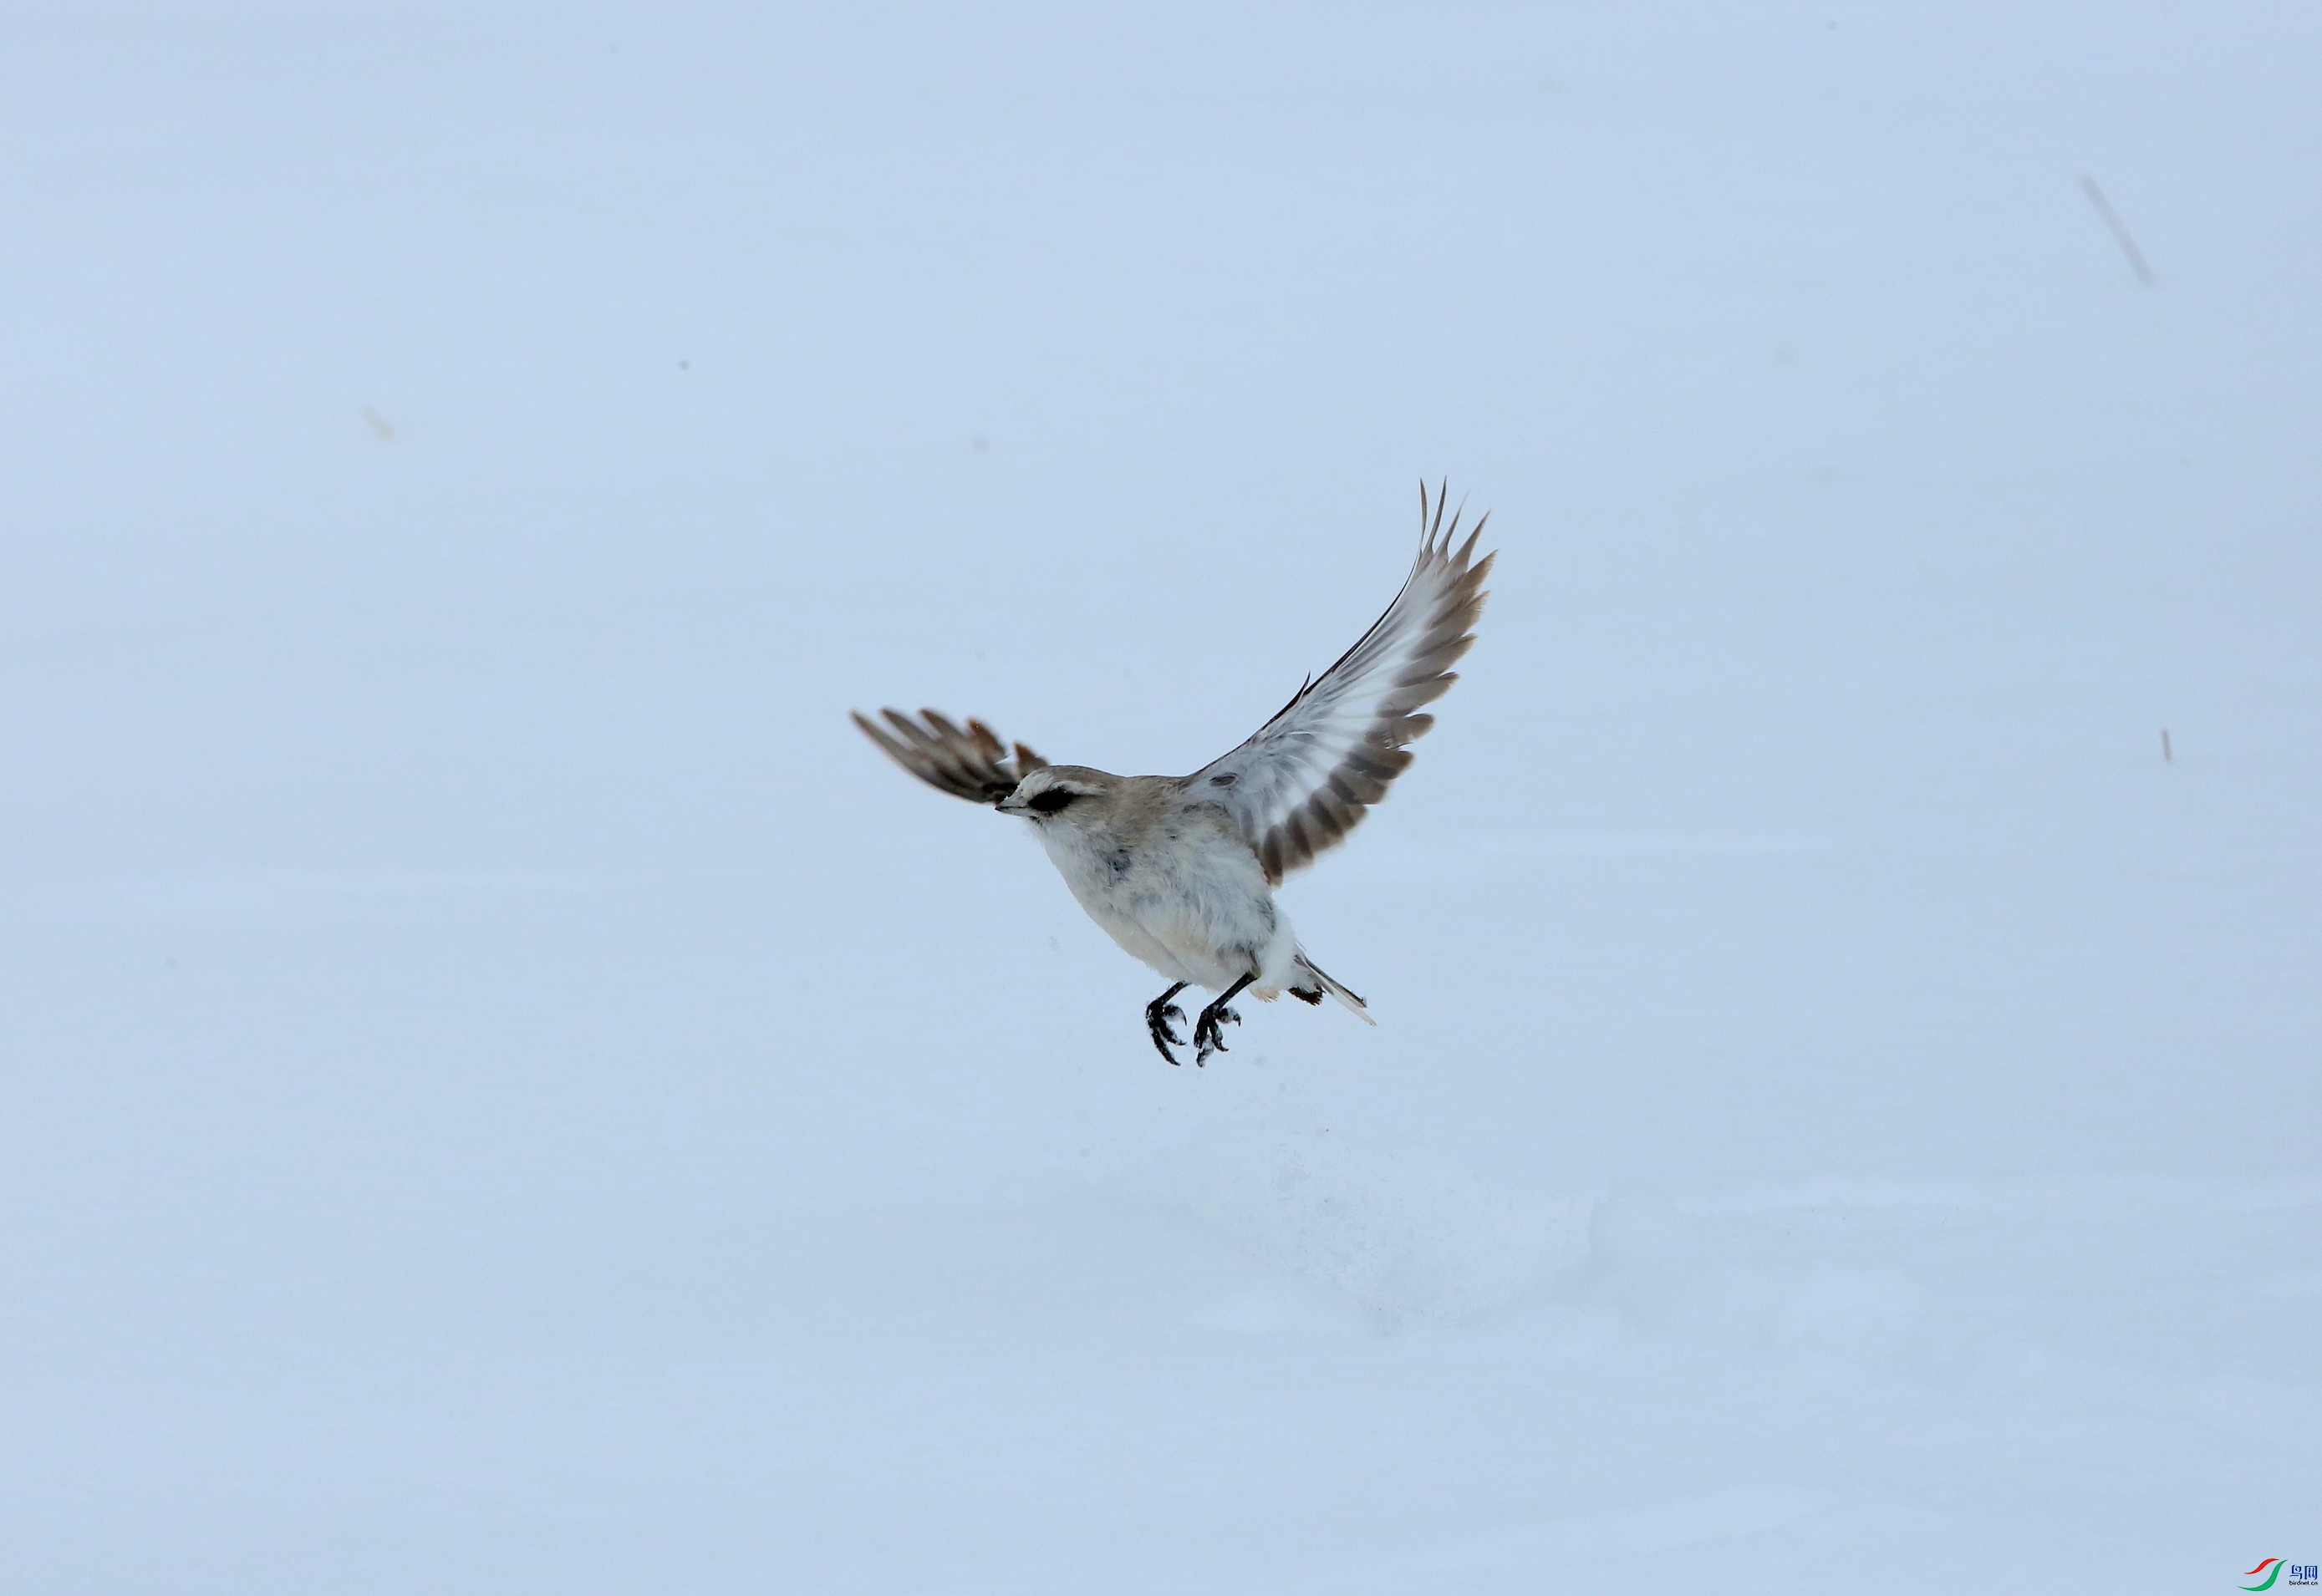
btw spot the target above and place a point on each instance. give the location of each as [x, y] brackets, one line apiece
[1322, 982]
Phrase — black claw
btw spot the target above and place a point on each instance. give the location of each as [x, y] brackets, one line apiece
[1209, 1034]
[1209, 1031]
[1157, 1015]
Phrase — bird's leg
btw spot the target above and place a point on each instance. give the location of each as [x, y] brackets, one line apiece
[1157, 1015]
[1209, 1031]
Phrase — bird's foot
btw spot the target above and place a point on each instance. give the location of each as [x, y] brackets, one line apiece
[1157, 1015]
[1209, 1031]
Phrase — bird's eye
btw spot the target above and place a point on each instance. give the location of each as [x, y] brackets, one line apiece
[1054, 799]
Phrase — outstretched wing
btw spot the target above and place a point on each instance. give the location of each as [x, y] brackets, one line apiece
[1308, 777]
[973, 764]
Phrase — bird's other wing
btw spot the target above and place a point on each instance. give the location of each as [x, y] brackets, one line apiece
[971, 764]
[1307, 778]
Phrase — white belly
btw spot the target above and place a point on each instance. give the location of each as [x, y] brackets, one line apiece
[1190, 909]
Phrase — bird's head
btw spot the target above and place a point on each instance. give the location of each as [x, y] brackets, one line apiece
[1070, 793]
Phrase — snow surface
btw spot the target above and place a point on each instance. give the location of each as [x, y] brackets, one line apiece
[503, 1091]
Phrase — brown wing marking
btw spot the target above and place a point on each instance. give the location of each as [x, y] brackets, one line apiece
[969, 762]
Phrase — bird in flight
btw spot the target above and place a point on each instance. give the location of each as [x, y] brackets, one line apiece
[1180, 870]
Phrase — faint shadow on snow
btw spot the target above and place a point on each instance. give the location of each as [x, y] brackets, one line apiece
[1668, 1267]
[1400, 1238]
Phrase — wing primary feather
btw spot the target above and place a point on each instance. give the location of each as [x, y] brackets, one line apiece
[912, 732]
[968, 762]
[1311, 773]
[894, 748]
[1468, 548]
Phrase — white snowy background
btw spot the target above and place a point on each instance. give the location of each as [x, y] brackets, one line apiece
[503, 1091]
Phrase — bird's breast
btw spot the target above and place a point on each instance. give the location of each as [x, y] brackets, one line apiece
[1181, 886]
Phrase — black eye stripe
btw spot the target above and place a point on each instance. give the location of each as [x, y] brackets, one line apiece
[1054, 799]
